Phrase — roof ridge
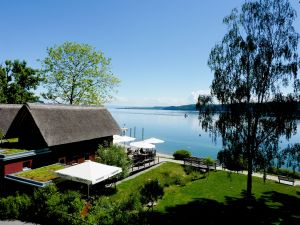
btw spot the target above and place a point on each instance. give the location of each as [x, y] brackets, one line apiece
[64, 106]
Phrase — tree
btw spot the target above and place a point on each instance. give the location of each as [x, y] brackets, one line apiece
[291, 155]
[16, 82]
[256, 60]
[115, 156]
[151, 192]
[77, 74]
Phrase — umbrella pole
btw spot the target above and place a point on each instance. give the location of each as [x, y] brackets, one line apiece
[88, 191]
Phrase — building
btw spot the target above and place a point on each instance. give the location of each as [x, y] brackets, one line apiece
[7, 114]
[48, 134]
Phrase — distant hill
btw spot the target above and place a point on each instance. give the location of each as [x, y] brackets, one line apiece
[191, 107]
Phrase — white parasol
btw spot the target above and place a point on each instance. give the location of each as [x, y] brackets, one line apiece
[119, 139]
[142, 144]
[154, 140]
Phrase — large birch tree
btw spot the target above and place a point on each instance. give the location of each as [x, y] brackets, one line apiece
[254, 66]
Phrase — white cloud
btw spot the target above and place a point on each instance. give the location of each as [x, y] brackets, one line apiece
[194, 95]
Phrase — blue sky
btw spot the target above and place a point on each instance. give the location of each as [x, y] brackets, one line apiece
[159, 48]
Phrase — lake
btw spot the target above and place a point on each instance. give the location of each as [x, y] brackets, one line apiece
[178, 131]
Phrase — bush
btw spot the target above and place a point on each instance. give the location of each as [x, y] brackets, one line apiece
[173, 179]
[181, 154]
[15, 207]
[115, 156]
[105, 211]
[209, 161]
[151, 192]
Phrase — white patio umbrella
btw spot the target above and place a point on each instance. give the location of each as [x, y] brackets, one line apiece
[89, 172]
[119, 139]
[154, 140]
[142, 144]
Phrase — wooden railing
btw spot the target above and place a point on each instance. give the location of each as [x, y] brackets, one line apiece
[200, 163]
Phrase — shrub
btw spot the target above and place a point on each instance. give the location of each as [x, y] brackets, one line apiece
[110, 212]
[209, 161]
[196, 175]
[181, 154]
[14, 207]
[115, 156]
[151, 192]
[173, 179]
[179, 180]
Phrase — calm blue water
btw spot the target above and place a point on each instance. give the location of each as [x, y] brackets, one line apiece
[177, 131]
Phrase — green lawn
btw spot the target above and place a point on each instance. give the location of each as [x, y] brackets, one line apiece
[42, 174]
[216, 198]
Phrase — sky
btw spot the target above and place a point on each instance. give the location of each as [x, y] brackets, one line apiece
[159, 48]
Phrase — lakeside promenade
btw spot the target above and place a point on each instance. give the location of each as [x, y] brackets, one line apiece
[168, 158]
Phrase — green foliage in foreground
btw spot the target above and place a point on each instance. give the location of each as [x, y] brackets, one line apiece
[181, 154]
[214, 198]
[46, 206]
[218, 197]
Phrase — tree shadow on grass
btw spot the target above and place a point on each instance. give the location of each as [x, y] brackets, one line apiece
[285, 209]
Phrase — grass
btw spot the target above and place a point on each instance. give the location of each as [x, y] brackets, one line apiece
[7, 151]
[217, 198]
[42, 174]
[163, 173]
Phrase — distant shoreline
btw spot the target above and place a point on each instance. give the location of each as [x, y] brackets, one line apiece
[191, 107]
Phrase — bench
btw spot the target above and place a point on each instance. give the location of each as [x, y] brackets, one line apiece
[285, 178]
[199, 163]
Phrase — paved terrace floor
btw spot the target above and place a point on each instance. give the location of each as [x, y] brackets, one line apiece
[167, 158]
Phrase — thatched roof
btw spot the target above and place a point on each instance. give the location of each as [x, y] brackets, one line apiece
[7, 114]
[63, 124]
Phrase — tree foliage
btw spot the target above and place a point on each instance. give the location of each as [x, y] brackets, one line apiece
[182, 154]
[115, 156]
[151, 192]
[291, 155]
[77, 74]
[17, 82]
[122, 211]
[256, 60]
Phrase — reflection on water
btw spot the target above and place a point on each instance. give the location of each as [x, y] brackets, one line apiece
[177, 130]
